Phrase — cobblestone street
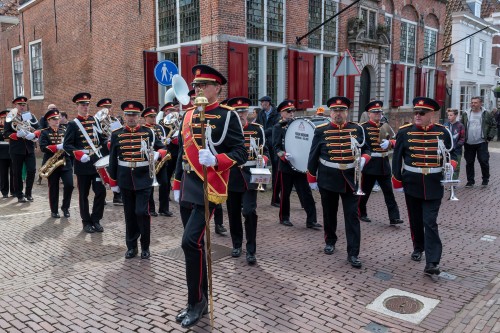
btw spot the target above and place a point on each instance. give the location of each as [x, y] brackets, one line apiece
[55, 278]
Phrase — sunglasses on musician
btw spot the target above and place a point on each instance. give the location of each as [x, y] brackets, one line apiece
[420, 112]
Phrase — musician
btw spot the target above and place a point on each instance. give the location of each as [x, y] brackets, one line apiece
[226, 148]
[22, 147]
[288, 176]
[332, 161]
[242, 195]
[51, 139]
[417, 169]
[108, 104]
[6, 182]
[131, 171]
[149, 114]
[379, 169]
[84, 141]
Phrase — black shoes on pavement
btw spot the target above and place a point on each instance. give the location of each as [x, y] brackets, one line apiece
[166, 213]
[432, 269]
[365, 218]
[416, 256]
[396, 221]
[354, 261]
[66, 212]
[145, 254]
[55, 215]
[329, 249]
[194, 313]
[251, 259]
[220, 229]
[184, 312]
[469, 184]
[287, 223]
[88, 229]
[155, 214]
[275, 204]
[98, 227]
[22, 199]
[484, 183]
[131, 253]
[236, 252]
[314, 225]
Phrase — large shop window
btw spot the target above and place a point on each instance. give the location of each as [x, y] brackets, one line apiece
[36, 68]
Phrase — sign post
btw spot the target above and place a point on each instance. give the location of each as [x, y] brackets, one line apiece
[164, 72]
[346, 67]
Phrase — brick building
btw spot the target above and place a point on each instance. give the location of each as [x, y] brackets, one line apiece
[110, 48]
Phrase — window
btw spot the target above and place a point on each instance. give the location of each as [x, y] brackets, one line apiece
[466, 93]
[265, 73]
[325, 38]
[17, 72]
[388, 24]
[409, 84]
[468, 55]
[327, 79]
[482, 63]
[431, 83]
[253, 74]
[370, 19]
[272, 74]
[36, 67]
[407, 42]
[430, 44]
[265, 20]
[188, 21]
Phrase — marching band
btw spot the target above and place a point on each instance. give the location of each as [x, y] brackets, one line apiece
[216, 155]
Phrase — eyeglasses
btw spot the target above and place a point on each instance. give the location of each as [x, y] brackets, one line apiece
[289, 111]
[201, 85]
[420, 113]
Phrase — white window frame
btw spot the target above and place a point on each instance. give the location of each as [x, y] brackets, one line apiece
[469, 43]
[482, 57]
[37, 97]
[435, 46]
[470, 91]
[14, 89]
[375, 13]
[431, 82]
[409, 86]
[416, 38]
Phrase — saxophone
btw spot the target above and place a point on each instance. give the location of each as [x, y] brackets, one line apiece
[162, 162]
[54, 162]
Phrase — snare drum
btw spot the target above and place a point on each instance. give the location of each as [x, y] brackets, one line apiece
[101, 166]
[298, 140]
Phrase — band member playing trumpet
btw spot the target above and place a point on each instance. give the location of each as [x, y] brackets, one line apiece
[84, 141]
[332, 167]
[20, 130]
[288, 177]
[242, 195]
[51, 139]
[417, 167]
[379, 169]
[132, 171]
[225, 149]
[6, 178]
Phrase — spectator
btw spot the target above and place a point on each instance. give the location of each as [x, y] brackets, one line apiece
[458, 134]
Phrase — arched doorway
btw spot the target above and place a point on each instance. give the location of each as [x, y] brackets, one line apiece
[364, 94]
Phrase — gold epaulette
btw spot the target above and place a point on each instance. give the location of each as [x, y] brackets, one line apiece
[407, 125]
[438, 124]
[363, 123]
[226, 107]
[256, 124]
[321, 125]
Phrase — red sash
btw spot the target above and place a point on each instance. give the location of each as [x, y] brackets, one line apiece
[217, 180]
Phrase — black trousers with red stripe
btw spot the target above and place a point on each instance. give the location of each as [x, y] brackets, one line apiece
[17, 168]
[299, 180]
[245, 203]
[53, 180]
[84, 182]
[137, 218]
[424, 229]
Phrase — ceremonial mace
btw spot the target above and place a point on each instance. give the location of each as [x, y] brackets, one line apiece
[201, 102]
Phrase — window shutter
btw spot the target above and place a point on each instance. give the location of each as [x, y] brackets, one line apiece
[292, 71]
[304, 81]
[440, 87]
[237, 78]
[189, 58]
[398, 85]
[420, 82]
[150, 83]
[350, 87]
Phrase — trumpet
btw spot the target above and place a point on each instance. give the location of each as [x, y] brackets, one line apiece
[447, 168]
[356, 152]
[148, 150]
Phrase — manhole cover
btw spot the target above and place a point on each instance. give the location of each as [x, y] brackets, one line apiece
[218, 252]
[403, 304]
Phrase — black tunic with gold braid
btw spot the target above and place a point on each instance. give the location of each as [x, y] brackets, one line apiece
[379, 163]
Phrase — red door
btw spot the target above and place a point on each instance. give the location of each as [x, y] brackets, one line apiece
[189, 58]
[398, 85]
[305, 81]
[237, 76]
[150, 83]
[440, 87]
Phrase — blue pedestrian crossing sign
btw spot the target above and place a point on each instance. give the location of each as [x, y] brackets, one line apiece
[165, 71]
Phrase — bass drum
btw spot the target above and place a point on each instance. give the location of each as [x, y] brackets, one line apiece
[298, 140]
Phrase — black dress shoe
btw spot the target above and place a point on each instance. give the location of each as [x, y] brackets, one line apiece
[416, 255]
[55, 215]
[365, 218]
[275, 204]
[88, 229]
[220, 229]
[131, 253]
[194, 313]
[484, 183]
[396, 221]
[145, 254]
[469, 184]
[155, 214]
[66, 213]
[329, 249]
[251, 259]
[236, 252]
[5, 195]
[22, 199]
[167, 213]
[354, 261]
[181, 315]
[98, 227]
[431, 268]
[314, 225]
[117, 199]
[29, 198]
[287, 223]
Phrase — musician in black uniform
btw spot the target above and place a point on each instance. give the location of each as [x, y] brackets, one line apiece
[417, 168]
[226, 148]
[51, 139]
[22, 147]
[6, 177]
[84, 141]
[130, 172]
[379, 169]
[242, 195]
[331, 168]
[288, 176]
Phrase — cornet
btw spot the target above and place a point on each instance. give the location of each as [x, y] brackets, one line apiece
[447, 169]
[258, 151]
[148, 150]
[356, 152]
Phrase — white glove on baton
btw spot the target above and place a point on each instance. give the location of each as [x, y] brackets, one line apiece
[206, 157]
[115, 189]
[313, 186]
[85, 158]
[384, 144]
[177, 195]
[30, 136]
[59, 146]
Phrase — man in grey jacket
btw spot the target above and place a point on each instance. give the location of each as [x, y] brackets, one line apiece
[480, 128]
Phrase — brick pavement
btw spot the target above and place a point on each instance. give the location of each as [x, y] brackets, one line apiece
[54, 278]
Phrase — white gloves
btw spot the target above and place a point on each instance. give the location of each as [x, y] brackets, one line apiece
[156, 156]
[85, 158]
[30, 136]
[206, 157]
[21, 133]
[384, 144]
[313, 186]
[177, 195]
[362, 162]
[59, 146]
[168, 140]
[288, 156]
[115, 189]
[399, 189]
